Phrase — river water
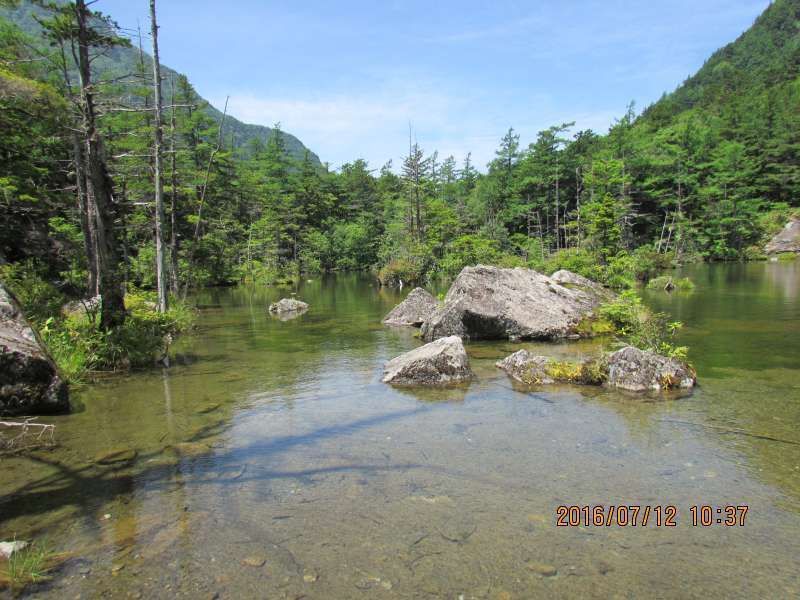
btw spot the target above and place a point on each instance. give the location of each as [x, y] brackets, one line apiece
[271, 462]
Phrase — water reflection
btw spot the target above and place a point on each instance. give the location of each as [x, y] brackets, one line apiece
[272, 461]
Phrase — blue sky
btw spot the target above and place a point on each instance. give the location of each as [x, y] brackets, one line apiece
[348, 77]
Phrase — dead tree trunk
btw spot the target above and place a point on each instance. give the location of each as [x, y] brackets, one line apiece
[83, 211]
[173, 204]
[99, 187]
[161, 264]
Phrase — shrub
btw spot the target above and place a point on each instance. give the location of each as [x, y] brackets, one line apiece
[667, 284]
[405, 269]
[638, 326]
[577, 260]
[78, 345]
[468, 250]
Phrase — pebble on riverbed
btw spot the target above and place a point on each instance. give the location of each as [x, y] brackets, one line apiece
[255, 561]
[542, 569]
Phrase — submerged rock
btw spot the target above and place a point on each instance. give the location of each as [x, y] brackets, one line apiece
[190, 449]
[440, 362]
[637, 370]
[418, 307]
[786, 240]
[526, 367]
[495, 303]
[29, 381]
[288, 305]
[116, 456]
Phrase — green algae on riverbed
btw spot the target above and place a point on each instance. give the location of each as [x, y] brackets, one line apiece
[276, 440]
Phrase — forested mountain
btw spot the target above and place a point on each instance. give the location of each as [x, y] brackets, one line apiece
[122, 60]
[725, 145]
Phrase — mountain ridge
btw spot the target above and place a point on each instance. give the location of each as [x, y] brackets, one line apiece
[123, 59]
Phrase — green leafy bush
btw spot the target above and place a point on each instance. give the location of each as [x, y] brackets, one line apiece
[79, 346]
[637, 325]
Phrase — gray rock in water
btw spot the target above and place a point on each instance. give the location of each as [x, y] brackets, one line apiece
[418, 307]
[526, 367]
[29, 380]
[494, 303]
[637, 370]
[786, 240]
[288, 305]
[440, 362]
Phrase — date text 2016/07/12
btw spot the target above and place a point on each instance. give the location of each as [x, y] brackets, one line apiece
[635, 515]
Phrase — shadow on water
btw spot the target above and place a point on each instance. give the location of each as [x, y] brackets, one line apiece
[87, 486]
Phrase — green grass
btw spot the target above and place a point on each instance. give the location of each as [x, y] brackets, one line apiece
[31, 565]
[79, 346]
[668, 283]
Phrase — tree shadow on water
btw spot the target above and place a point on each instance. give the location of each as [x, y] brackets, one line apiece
[90, 486]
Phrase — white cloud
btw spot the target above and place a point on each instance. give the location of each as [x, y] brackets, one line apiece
[374, 124]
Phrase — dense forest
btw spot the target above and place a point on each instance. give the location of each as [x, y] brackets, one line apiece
[118, 179]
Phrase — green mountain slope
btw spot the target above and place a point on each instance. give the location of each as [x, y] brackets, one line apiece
[719, 157]
[122, 61]
[765, 57]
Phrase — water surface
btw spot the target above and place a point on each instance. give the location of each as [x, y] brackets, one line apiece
[274, 441]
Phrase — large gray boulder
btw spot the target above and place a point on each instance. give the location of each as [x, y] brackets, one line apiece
[418, 307]
[638, 371]
[786, 240]
[579, 282]
[29, 380]
[494, 303]
[288, 305]
[526, 367]
[441, 362]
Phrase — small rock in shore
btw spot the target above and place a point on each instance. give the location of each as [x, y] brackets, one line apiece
[115, 456]
[417, 308]
[255, 561]
[441, 362]
[542, 569]
[310, 576]
[8, 548]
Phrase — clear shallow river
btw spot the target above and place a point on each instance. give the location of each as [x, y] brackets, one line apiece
[275, 442]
